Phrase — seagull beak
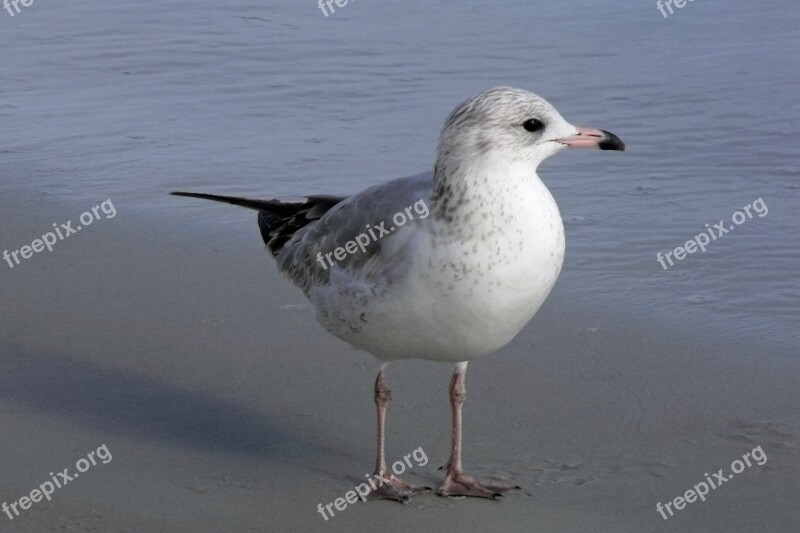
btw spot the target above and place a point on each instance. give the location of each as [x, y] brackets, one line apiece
[592, 138]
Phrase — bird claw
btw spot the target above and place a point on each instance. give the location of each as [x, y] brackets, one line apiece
[396, 489]
[461, 485]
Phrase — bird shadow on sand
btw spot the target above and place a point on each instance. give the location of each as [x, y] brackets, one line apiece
[91, 394]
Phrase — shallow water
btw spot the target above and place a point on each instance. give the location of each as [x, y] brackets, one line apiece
[128, 101]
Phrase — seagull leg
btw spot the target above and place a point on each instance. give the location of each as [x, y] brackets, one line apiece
[456, 483]
[387, 485]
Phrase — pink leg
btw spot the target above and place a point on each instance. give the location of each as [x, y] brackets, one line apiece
[457, 483]
[389, 486]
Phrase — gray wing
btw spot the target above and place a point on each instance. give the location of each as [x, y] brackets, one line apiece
[309, 256]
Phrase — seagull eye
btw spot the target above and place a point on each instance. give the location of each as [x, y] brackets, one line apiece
[532, 125]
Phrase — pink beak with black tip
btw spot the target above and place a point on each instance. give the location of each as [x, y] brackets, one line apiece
[594, 138]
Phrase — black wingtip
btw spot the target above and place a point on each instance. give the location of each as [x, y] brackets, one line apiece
[195, 195]
[250, 203]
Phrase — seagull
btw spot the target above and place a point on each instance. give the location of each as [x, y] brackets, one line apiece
[448, 265]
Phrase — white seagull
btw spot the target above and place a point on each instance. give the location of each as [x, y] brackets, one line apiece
[449, 287]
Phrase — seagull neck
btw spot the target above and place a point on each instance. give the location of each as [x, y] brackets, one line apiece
[487, 187]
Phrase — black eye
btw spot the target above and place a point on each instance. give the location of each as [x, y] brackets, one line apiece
[532, 125]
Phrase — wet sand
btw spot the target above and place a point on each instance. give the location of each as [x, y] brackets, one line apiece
[171, 339]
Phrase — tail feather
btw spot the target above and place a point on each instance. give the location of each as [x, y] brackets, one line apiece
[278, 221]
[273, 206]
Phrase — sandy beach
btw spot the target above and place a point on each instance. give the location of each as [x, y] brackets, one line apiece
[227, 408]
[158, 374]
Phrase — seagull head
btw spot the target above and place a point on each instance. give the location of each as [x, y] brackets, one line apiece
[514, 126]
